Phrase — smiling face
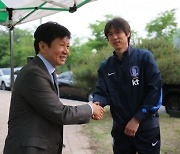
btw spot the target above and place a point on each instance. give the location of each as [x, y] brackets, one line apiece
[57, 52]
[118, 40]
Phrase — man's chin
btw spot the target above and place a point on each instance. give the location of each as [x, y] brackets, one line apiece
[62, 63]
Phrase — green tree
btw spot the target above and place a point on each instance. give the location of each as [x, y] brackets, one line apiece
[162, 26]
[177, 39]
[98, 39]
[86, 73]
[167, 58]
[162, 30]
[4, 48]
[23, 47]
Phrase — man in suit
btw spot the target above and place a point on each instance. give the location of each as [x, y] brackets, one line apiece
[36, 115]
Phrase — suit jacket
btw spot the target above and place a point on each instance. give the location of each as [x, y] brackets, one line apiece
[36, 115]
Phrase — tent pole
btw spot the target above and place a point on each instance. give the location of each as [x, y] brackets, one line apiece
[10, 13]
[11, 57]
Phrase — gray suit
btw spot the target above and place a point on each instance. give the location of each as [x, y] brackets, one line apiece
[37, 116]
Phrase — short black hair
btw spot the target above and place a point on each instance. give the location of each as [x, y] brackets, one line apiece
[49, 31]
[119, 24]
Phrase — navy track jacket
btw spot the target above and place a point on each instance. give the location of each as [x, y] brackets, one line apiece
[132, 87]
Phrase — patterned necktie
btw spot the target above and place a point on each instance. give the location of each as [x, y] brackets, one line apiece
[55, 82]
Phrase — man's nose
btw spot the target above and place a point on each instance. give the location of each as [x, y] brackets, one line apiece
[114, 36]
[66, 50]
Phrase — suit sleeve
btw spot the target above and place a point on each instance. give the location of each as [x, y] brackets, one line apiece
[101, 94]
[153, 84]
[37, 91]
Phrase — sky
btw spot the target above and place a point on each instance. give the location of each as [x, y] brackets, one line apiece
[137, 12]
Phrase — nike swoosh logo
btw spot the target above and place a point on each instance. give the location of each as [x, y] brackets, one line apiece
[153, 144]
[109, 74]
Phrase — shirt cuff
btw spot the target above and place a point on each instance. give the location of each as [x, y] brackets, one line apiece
[91, 109]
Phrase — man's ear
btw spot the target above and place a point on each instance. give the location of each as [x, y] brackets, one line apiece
[129, 34]
[42, 47]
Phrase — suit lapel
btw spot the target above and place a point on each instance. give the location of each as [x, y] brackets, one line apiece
[43, 67]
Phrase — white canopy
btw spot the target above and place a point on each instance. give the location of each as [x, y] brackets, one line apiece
[14, 12]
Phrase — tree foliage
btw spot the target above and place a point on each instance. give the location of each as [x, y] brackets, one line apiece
[4, 46]
[167, 58]
[22, 46]
[177, 39]
[162, 26]
[165, 51]
[97, 41]
[86, 73]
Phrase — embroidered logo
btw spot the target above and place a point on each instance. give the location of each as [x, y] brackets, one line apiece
[153, 144]
[109, 74]
[134, 71]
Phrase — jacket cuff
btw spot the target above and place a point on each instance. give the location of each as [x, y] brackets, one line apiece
[102, 100]
[140, 115]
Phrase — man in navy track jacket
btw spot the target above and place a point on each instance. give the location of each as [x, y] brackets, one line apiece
[130, 82]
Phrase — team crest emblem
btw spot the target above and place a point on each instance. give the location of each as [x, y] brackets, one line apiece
[134, 71]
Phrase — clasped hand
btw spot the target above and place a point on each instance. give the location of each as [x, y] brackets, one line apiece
[131, 127]
[98, 111]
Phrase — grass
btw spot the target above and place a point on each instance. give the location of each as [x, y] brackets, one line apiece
[99, 133]
[170, 134]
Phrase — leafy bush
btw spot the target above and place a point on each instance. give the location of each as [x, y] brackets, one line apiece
[170, 69]
[86, 72]
[167, 57]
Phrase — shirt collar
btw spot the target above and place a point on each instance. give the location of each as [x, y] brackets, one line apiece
[127, 52]
[48, 65]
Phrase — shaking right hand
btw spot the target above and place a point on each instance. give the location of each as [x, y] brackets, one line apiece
[98, 111]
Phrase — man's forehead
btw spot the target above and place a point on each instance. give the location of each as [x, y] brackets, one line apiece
[65, 39]
[112, 28]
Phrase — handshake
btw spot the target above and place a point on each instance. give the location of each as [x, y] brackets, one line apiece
[98, 111]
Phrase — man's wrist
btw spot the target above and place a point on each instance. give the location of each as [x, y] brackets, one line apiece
[91, 108]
